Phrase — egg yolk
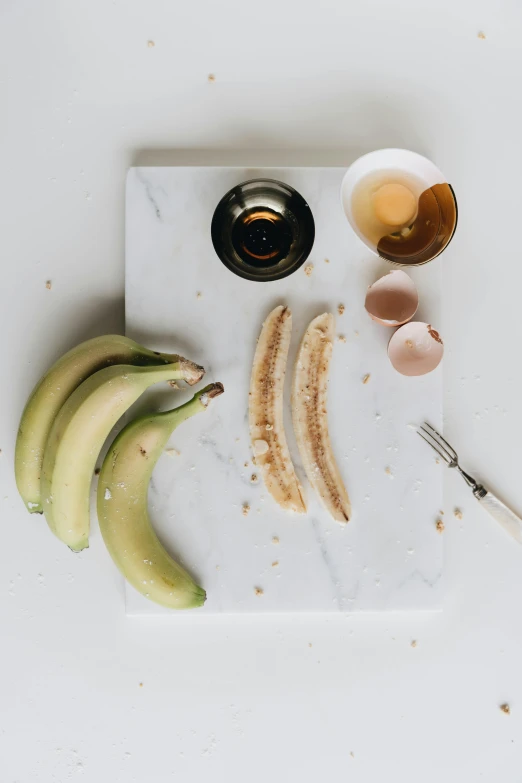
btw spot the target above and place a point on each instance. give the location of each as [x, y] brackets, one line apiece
[394, 204]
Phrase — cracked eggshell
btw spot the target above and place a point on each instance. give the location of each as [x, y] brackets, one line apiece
[415, 349]
[393, 299]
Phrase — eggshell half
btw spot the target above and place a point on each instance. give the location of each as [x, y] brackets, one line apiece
[415, 349]
[393, 299]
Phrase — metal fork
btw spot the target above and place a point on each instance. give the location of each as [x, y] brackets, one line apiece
[501, 513]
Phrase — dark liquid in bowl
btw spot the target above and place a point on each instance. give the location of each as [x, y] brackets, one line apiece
[261, 237]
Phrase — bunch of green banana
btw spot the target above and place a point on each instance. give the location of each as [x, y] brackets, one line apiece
[122, 506]
[57, 385]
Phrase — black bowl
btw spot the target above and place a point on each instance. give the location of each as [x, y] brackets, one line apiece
[263, 230]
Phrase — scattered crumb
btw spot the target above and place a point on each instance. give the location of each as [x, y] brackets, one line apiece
[172, 452]
[247, 463]
[275, 563]
[237, 440]
[246, 509]
[97, 471]
[199, 295]
[356, 333]
[309, 644]
[457, 513]
[437, 461]
[173, 384]
[341, 338]
[211, 77]
[253, 478]
[441, 512]
[481, 35]
[48, 285]
[439, 524]
[366, 378]
[108, 494]
[388, 471]
[340, 309]
[326, 260]
[413, 643]
[275, 539]
[151, 44]
[141, 685]
[269, 427]
[352, 754]
[506, 709]
[259, 590]
[309, 268]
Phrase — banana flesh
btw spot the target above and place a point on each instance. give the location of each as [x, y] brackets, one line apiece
[122, 507]
[78, 434]
[310, 418]
[267, 432]
[53, 390]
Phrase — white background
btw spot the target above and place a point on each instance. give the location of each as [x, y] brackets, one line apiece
[83, 97]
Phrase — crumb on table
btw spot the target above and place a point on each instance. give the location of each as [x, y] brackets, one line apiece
[199, 295]
[481, 35]
[366, 378]
[246, 509]
[309, 644]
[275, 563]
[388, 471]
[309, 268]
[326, 260]
[258, 590]
[141, 685]
[253, 478]
[341, 338]
[413, 643]
[151, 44]
[247, 463]
[212, 77]
[48, 284]
[172, 452]
[340, 309]
[439, 524]
[352, 754]
[506, 709]
[275, 539]
[457, 513]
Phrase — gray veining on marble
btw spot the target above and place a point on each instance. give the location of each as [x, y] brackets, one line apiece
[179, 297]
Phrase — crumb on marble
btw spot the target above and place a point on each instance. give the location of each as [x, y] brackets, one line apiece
[506, 709]
[237, 440]
[341, 338]
[437, 461]
[366, 378]
[199, 295]
[253, 478]
[259, 590]
[388, 471]
[275, 539]
[247, 463]
[458, 513]
[309, 644]
[173, 384]
[352, 754]
[212, 77]
[309, 268]
[326, 260]
[441, 512]
[439, 524]
[275, 563]
[172, 452]
[246, 509]
[481, 35]
[141, 685]
[413, 643]
[48, 284]
[356, 333]
[340, 309]
[151, 44]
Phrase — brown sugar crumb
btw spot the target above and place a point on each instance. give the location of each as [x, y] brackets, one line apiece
[253, 478]
[439, 524]
[173, 384]
[275, 539]
[48, 285]
[326, 260]
[97, 471]
[366, 378]
[151, 44]
[259, 591]
[211, 77]
[413, 643]
[340, 309]
[275, 563]
[388, 471]
[506, 709]
[481, 35]
[246, 509]
[309, 268]
[141, 685]
[457, 513]
[341, 338]
[247, 463]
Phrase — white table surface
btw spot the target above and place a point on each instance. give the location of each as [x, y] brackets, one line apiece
[90, 694]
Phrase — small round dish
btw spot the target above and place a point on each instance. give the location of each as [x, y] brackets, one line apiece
[263, 230]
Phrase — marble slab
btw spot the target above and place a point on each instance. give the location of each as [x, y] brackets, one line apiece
[180, 297]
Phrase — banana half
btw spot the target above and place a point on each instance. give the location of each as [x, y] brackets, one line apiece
[267, 432]
[122, 507]
[310, 418]
[78, 434]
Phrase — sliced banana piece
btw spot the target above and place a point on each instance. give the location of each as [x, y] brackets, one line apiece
[310, 417]
[267, 432]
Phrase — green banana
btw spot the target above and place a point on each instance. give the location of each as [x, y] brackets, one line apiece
[122, 507]
[51, 392]
[78, 434]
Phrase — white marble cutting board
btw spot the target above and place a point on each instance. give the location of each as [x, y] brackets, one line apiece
[180, 297]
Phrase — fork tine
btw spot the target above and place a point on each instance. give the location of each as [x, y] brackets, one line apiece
[437, 436]
[439, 447]
[441, 454]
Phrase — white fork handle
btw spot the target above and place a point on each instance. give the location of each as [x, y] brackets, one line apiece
[511, 523]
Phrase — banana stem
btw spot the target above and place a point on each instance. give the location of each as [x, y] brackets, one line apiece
[198, 403]
[181, 368]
